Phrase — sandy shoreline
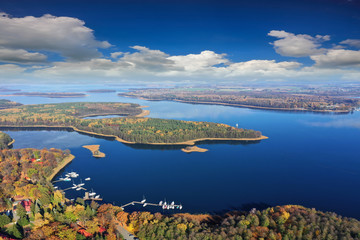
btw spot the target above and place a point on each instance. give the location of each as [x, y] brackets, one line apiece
[11, 143]
[190, 149]
[63, 164]
[189, 142]
[95, 150]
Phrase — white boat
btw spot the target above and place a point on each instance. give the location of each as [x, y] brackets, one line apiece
[92, 194]
[74, 187]
[67, 179]
[143, 201]
[180, 207]
[160, 203]
[81, 184]
[97, 196]
[87, 179]
[144, 204]
[78, 189]
[172, 203]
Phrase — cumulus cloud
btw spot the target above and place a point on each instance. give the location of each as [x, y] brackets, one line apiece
[64, 35]
[21, 56]
[150, 64]
[196, 62]
[300, 45]
[337, 58]
[352, 42]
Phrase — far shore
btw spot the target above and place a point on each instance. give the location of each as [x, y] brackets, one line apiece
[240, 105]
[189, 142]
[63, 164]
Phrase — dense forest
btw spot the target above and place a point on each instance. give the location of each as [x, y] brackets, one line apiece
[23, 178]
[132, 129]
[5, 140]
[275, 223]
[8, 104]
[261, 98]
[24, 171]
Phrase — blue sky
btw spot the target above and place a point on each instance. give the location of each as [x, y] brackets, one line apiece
[203, 41]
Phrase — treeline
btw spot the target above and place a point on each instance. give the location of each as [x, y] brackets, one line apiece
[54, 217]
[23, 172]
[276, 223]
[8, 104]
[5, 139]
[264, 99]
[139, 130]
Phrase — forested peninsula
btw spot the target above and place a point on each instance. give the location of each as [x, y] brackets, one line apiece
[5, 141]
[271, 99]
[129, 129]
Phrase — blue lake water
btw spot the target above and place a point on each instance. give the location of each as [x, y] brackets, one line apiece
[309, 159]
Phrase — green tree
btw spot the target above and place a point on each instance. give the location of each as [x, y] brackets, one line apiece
[17, 231]
[4, 219]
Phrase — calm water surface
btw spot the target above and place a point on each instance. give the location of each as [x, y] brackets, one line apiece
[309, 159]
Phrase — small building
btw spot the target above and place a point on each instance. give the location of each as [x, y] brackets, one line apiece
[27, 205]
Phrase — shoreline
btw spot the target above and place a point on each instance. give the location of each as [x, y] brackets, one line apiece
[190, 149]
[63, 164]
[189, 142]
[93, 149]
[242, 106]
[11, 143]
[142, 114]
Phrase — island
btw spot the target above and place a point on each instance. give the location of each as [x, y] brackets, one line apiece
[95, 150]
[190, 149]
[50, 95]
[129, 129]
[101, 91]
[287, 99]
[8, 104]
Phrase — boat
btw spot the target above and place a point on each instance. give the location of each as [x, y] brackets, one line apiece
[144, 204]
[97, 196]
[81, 184]
[74, 187]
[78, 189]
[92, 194]
[160, 203]
[172, 203]
[143, 201]
[87, 179]
[67, 179]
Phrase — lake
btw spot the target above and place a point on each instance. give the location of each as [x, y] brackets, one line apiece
[310, 159]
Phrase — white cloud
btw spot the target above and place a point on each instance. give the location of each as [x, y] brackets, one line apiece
[21, 56]
[196, 62]
[116, 54]
[337, 58]
[64, 35]
[300, 45]
[352, 42]
[263, 68]
[10, 71]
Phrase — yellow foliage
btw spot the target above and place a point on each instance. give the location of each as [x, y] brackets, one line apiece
[182, 227]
